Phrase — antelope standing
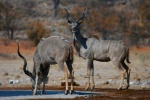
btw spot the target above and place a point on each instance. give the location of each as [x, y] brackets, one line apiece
[92, 48]
[50, 51]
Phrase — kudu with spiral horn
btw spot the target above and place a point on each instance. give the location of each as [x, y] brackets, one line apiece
[92, 48]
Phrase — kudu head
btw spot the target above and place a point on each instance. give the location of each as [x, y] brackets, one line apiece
[75, 25]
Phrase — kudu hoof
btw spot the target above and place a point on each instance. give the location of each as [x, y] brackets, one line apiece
[92, 88]
[42, 93]
[34, 93]
[66, 92]
[71, 91]
[38, 88]
[127, 87]
[86, 89]
[120, 88]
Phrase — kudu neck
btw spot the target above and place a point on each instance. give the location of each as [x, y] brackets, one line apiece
[80, 39]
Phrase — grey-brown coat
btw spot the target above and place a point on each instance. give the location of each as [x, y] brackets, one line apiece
[51, 50]
[92, 48]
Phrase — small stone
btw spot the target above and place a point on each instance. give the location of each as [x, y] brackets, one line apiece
[106, 82]
[16, 81]
[11, 82]
[109, 80]
[131, 83]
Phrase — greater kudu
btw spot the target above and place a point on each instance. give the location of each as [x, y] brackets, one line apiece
[51, 50]
[92, 48]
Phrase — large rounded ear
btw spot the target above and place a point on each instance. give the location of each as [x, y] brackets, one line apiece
[79, 22]
[69, 22]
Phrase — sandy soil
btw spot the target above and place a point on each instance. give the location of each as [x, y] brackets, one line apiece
[107, 76]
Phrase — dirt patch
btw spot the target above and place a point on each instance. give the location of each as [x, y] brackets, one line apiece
[105, 93]
[10, 47]
[140, 49]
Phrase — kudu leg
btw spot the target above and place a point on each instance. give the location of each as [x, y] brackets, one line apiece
[128, 78]
[36, 84]
[43, 89]
[87, 73]
[128, 74]
[71, 71]
[72, 81]
[89, 66]
[44, 82]
[64, 69]
[45, 78]
[92, 78]
[66, 78]
[122, 79]
[122, 70]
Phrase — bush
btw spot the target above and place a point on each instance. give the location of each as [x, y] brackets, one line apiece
[36, 32]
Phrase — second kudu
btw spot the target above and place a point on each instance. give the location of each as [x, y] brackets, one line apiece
[92, 48]
[51, 50]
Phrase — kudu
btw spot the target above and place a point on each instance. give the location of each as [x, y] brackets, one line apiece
[51, 50]
[92, 48]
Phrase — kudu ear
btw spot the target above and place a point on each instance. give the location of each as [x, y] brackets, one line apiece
[69, 22]
[80, 22]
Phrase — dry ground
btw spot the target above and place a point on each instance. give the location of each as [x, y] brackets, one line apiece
[107, 76]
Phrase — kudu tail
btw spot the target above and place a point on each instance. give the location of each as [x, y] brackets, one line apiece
[25, 62]
[127, 57]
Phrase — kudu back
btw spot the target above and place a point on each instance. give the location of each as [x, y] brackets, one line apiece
[51, 50]
[93, 48]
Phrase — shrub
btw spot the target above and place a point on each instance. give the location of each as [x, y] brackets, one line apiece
[36, 32]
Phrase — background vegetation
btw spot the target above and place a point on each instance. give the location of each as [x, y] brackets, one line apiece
[36, 31]
[127, 20]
